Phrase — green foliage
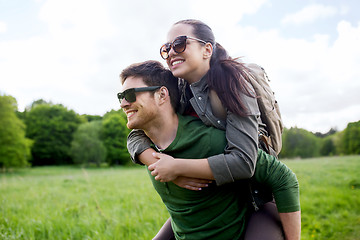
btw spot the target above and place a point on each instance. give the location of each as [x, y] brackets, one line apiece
[51, 128]
[351, 138]
[301, 143]
[87, 146]
[327, 147]
[298, 142]
[90, 118]
[114, 135]
[14, 146]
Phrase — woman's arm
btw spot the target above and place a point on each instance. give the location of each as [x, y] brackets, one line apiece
[139, 148]
[166, 168]
[236, 162]
[239, 158]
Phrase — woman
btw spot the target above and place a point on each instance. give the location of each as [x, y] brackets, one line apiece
[215, 89]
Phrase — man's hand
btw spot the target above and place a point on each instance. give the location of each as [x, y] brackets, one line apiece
[194, 184]
[164, 169]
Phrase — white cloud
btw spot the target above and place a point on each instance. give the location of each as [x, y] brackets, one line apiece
[315, 82]
[225, 13]
[78, 59]
[3, 27]
[310, 14]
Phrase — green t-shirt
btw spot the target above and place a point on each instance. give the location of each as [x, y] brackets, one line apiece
[218, 212]
[214, 212]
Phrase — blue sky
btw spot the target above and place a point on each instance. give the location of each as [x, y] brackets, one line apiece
[72, 51]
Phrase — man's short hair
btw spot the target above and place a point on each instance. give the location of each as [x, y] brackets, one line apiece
[153, 73]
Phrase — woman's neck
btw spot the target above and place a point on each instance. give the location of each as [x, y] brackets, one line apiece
[196, 76]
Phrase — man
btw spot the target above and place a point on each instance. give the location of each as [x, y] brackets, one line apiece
[149, 99]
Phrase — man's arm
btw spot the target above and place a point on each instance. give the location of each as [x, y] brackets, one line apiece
[146, 157]
[285, 187]
[291, 222]
[138, 143]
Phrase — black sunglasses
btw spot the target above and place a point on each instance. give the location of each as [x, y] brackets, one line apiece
[179, 46]
[129, 94]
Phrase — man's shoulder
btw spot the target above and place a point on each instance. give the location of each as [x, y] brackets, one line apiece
[190, 123]
[185, 119]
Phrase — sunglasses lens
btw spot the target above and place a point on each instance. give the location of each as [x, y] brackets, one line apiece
[130, 95]
[179, 45]
[164, 51]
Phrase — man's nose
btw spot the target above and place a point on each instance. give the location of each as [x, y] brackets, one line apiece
[124, 103]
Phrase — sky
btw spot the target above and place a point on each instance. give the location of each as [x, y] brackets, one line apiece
[71, 52]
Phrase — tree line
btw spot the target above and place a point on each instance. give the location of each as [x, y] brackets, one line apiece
[50, 134]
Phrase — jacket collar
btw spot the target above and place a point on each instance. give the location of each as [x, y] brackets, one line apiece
[201, 84]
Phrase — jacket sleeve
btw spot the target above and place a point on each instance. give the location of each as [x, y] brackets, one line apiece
[137, 142]
[239, 158]
[280, 179]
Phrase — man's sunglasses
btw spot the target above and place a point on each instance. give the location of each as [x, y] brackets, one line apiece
[129, 94]
[179, 46]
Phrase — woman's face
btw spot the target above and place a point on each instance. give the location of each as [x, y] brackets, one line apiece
[191, 64]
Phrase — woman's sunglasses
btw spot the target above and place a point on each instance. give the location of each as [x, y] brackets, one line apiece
[179, 46]
[130, 94]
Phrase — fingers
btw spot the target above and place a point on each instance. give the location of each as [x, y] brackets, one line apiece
[198, 185]
[151, 167]
[156, 155]
[202, 181]
[199, 181]
[192, 188]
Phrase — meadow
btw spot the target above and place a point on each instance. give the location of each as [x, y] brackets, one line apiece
[120, 203]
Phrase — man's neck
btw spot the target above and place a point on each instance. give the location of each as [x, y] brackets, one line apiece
[163, 133]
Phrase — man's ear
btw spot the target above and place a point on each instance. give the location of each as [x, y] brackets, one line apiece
[208, 50]
[162, 94]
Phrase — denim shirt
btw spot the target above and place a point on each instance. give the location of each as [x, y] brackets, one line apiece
[239, 158]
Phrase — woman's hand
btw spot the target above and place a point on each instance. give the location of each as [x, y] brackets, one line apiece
[195, 184]
[164, 169]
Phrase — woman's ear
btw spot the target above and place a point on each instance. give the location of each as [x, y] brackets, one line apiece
[208, 50]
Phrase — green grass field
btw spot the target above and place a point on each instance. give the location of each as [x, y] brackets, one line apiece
[120, 203]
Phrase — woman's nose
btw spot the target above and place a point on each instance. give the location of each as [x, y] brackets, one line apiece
[171, 52]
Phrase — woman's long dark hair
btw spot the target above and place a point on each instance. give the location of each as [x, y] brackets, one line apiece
[226, 76]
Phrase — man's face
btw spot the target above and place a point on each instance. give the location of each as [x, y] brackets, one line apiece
[141, 113]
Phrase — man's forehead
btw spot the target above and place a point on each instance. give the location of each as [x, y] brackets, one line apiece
[133, 82]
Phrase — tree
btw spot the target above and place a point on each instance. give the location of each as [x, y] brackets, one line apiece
[114, 135]
[298, 142]
[332, 131]
[327, 147]
[51, 128]
[14, 146]
[91, 117]
[351, 138]
[87, 146]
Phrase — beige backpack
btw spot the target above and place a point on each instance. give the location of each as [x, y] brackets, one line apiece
[269, 108]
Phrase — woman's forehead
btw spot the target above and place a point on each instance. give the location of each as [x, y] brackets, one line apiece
[180, 30]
